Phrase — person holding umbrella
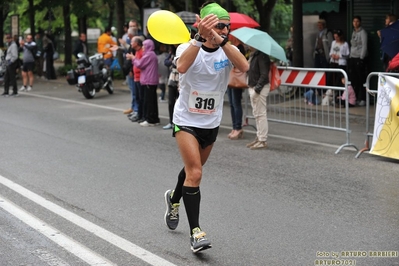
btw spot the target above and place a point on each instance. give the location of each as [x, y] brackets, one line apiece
[259, 88]
[204, 64]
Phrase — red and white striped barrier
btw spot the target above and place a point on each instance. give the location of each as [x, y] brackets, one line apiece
[302, 77]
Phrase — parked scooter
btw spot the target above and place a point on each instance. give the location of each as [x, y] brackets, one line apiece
[91, 75]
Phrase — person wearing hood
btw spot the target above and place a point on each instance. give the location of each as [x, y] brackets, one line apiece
[204, 64]
[148, 64]
[357, 65]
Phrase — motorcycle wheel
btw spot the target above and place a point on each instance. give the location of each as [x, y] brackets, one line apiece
[110, 87]
[88, 91]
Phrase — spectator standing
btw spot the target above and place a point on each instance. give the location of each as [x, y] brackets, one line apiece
[322, 45]
[339, 55]
[259, 88]
[128, 70]
[134, 24]
[125, 36]
[235, 97]
[12, 61]
[19, 61]
[39, 55]
[163, 71]
[29, 49]
[104, 44]
[389, 19]
[156, 43]
[125, 41]
[148, 65]
[357, 65]
[173, 85]
[137, 45]
[49, 49]
[80, 45]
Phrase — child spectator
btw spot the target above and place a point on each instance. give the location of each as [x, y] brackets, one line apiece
[340, 100]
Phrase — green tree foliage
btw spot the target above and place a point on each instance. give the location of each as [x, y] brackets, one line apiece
[276, 19]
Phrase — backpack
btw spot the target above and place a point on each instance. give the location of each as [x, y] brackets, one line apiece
[35, 51]
[274, 77]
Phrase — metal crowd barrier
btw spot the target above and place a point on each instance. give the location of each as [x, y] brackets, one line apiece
[369, 122]
[286, 105]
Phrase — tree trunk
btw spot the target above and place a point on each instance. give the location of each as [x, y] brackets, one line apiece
[111, 14]
[82, 24]
[31, 18]
[2, 24]
[66, 9]
[265, 13]
[120, 14]
[298, 36]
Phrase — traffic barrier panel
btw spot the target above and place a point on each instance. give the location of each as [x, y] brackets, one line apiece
[286, 105]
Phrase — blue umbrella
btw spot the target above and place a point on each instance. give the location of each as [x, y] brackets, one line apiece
[261, 41]
[390, 39]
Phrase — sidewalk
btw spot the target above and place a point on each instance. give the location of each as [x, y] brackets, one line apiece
[357, 118]
[357, 114]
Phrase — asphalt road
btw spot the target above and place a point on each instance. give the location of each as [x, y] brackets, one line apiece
[82, 185]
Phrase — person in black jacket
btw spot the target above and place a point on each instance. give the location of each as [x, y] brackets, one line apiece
[49, 49]
[80, 46]
[259, 88]
[12, 62]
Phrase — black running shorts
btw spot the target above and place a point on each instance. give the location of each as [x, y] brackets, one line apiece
[205, 137]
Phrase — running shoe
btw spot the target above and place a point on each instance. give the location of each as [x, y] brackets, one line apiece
[172, 211]
[199, 241]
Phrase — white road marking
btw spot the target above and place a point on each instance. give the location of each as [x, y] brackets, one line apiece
[102, 233]
[50, 258]
[53, 234]
[74, 102]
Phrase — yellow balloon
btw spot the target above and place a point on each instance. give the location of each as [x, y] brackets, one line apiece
[167, 27]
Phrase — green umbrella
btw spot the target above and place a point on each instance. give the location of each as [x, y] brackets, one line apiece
[261, 41]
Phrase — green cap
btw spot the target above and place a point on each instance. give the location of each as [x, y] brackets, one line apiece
[215, 9]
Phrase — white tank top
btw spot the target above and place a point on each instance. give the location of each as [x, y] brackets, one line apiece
[202, 89]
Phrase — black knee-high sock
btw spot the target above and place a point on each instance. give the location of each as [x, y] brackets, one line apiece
[192, 198]
[178, 190]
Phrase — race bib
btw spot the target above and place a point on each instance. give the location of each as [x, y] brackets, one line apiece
[203, 102]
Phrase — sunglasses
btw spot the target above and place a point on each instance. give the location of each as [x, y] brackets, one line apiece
[221, 25]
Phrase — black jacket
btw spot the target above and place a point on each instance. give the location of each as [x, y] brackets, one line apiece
[80, 47]
[258, 74]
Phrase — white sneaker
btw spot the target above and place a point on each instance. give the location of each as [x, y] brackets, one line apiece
[23, 88]
[146, 124]
[168, 126]
[362, 103]
[29, 88]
